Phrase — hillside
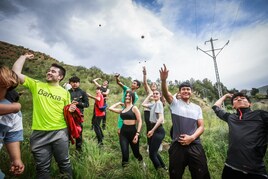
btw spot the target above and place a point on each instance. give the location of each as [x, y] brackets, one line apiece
[205, 90]
[263, 90]
[37, 67]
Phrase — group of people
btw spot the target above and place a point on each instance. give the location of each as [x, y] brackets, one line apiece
[248, 130]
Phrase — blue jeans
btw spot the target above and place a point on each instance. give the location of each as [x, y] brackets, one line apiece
[2, 175]
[44, 145]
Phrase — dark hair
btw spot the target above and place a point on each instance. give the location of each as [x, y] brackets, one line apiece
[12, 96]
[62, 70]
[132, 95]
[138, 83]
[98, 88]
[74, 79]
[185, 84]
[241, 95]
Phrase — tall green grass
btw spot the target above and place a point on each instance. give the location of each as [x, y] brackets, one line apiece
[96, 162]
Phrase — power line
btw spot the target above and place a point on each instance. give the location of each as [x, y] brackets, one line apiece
[195, 20]
[236, 15]
[212, 25]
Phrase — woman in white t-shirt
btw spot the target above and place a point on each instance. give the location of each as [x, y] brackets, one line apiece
[156, 132]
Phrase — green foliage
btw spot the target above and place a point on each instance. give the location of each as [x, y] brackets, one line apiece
[254, 91]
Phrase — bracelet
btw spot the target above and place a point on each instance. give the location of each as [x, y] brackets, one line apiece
[138, 133]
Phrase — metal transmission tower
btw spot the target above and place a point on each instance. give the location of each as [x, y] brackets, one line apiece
[215, 62]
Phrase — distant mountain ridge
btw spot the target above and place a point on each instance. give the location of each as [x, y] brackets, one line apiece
[263, 90]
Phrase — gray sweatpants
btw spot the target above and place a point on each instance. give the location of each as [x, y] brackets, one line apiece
[44, 144]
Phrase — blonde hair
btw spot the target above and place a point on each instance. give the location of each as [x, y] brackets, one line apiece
[8, 78]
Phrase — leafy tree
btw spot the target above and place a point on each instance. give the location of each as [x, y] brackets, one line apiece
[254, 91]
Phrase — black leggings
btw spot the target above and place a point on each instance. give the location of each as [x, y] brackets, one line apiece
[155, 142]
[147, 123]
[127, 133]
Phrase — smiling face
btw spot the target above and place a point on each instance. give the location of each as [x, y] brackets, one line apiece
[156, 95]
[105, 83]
[185, 93]
[53, 75]
[128, 98]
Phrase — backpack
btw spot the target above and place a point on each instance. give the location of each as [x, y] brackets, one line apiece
[102, 108]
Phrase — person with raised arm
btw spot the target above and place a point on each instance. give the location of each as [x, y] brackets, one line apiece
[188, 125]
[156, 132]
[135, 85]
[248, 138]
[129, 134]
[105, 92]
[50, 134]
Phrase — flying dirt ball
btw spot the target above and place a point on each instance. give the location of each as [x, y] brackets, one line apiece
[142, 36]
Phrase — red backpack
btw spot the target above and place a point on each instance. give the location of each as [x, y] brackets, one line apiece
[73, 121]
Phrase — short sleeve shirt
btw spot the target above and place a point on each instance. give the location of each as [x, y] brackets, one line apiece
[184, 118]
[48, 104]
[156, 109]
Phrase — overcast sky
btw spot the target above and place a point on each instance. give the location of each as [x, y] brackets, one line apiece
[108, 34]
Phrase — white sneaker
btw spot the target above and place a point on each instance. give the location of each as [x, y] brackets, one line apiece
[160, 148]
[147, 149]
[144, 166]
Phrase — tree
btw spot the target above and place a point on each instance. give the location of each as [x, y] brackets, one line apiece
[254, 91]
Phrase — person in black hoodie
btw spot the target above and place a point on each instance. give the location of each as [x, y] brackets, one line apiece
[248, 134]
[78, 97]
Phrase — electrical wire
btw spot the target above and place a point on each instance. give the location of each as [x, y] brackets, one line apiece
[234, 22]
[212, 25]
[195, 20]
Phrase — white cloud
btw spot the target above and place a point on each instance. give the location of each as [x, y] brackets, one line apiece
[108, 35]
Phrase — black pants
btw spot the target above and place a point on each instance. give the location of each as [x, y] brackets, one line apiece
[147, 123]
[230, 173]
[97, 128]
[127, 133]
[103, 119]
[78, 141]
[155, 142]
[192, 155]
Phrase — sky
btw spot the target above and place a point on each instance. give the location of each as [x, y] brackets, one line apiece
[121, 36]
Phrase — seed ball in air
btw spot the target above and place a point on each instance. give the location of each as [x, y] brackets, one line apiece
[142, 36]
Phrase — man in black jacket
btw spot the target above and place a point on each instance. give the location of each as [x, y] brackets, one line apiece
[78, 97]
[248, 132]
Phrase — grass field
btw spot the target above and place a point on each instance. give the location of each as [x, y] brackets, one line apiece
[105, 162]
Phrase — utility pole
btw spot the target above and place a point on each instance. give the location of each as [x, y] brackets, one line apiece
[219, 88]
